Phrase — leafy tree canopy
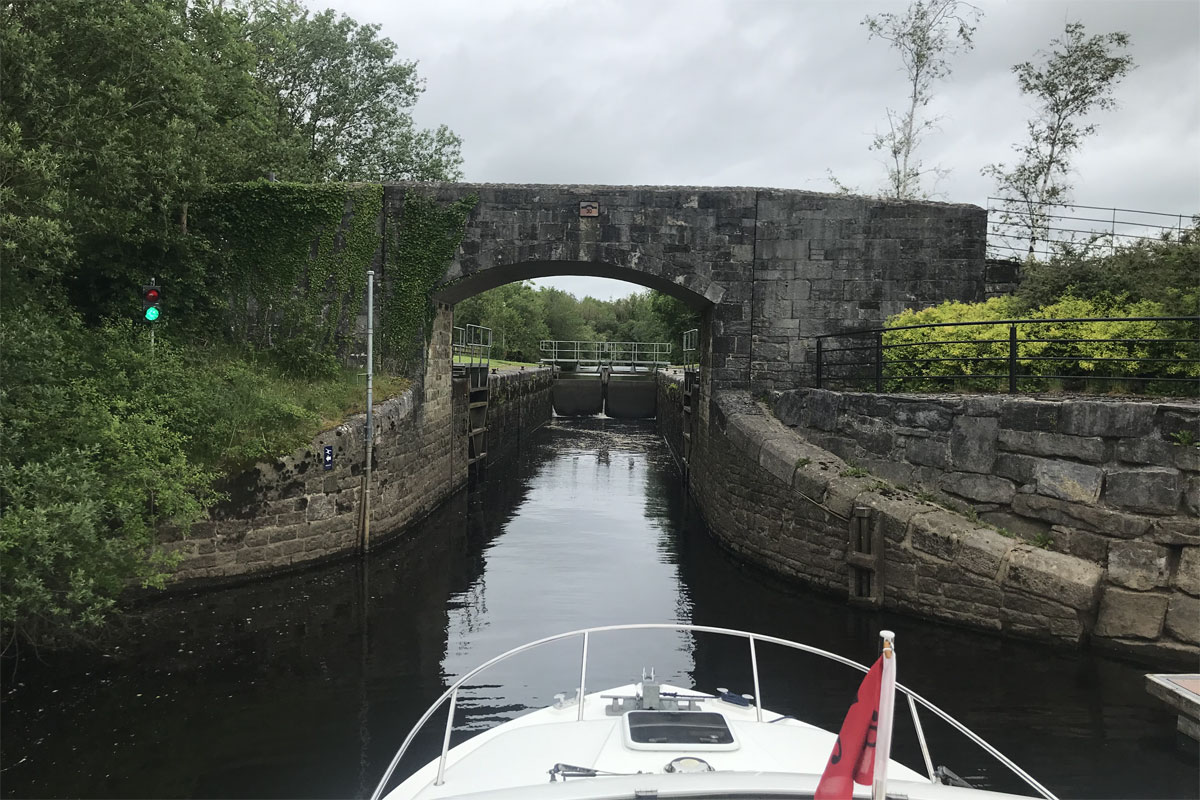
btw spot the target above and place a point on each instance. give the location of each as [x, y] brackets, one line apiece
[118, 113]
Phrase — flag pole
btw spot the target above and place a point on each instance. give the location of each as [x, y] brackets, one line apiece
[887, 704]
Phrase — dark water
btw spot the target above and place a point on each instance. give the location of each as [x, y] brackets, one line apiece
[304, 685]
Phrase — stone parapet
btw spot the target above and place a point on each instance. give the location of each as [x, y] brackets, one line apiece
[1112, 482]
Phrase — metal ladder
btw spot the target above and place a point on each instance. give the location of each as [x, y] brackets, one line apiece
[472, 357]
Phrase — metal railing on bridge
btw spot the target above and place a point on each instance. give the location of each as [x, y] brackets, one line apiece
[1012, 223]
[472, 346]
[617, 356]
[1159, 355]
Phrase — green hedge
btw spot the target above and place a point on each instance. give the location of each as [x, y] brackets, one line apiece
[1080, 365]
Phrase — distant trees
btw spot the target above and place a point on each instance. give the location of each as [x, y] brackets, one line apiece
[925, 36]
[521, 316]
[1075, 78]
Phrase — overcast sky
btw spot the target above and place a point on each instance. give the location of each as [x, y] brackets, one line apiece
[776, 93]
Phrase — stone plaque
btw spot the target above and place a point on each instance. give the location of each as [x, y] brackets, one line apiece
[589, 208]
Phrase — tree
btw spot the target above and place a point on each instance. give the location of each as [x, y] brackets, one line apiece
[341, 93]
[133, 107]
[1075, 78]
[563, 316]
[925, 36]
[516, 316]
[675, 317]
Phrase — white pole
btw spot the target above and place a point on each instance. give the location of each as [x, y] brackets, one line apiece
[887, 704]
[370, 434]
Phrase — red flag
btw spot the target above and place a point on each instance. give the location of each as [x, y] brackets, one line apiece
[853, 757]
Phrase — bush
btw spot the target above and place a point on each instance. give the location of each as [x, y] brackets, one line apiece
[1160, 271]
[103, 441]
[1104, 356]
[88, 468]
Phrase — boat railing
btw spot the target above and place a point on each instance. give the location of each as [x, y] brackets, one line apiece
[585, 634]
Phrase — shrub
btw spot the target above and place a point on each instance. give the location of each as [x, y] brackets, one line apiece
[1127, 355]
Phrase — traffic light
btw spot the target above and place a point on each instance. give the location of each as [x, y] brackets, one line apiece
[151, 303]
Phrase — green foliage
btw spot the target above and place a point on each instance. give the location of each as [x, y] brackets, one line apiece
[103, 440]
[289, 263]
[37, 244]
[674, 317]
[1104, 349]
[854, 472]
[925, 36]
[521, 315]
[1042, 540]
[120, 115]
[419, 248]
[128, 131]
[517, 315]
[1184, 438]
[87, 470]
[1162, 271]
[343, 98]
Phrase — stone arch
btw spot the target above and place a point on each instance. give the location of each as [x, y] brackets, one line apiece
[507, 265]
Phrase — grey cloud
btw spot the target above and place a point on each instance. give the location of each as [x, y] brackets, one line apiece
[775, 92]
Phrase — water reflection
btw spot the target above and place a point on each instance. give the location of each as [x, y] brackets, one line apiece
[303, 685]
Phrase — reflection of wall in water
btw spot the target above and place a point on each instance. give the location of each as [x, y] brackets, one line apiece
[289, 654]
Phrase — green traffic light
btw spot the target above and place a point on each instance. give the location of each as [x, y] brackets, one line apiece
[151, 314]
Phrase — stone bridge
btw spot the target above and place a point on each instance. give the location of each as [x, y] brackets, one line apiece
[769, 268]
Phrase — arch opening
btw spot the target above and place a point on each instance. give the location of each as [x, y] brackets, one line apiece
[695, 292]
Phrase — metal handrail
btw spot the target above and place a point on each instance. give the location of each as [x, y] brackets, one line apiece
[1057, 224]
[452, 691]
[472, 344]
[631, 355]
[875, 342]
[691, 349]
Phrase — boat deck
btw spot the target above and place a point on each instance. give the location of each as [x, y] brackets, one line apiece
[520, 754]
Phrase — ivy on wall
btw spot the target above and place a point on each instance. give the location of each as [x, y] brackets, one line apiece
[291, 259]
[289, 264]
[420, 245]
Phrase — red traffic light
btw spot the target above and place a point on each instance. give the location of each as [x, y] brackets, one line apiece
[152, 295]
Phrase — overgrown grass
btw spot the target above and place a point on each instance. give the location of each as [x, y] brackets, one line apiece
[105, 438]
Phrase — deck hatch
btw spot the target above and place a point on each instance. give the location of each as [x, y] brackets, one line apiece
[654, 730]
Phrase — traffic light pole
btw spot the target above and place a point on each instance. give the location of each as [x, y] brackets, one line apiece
[152, 333]
[366, 490]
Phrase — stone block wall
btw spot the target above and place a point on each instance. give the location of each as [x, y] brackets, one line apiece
[782, 501]
[830, 263]
[293, 511]
[669, 417]
[519, 403]
[1113, 482]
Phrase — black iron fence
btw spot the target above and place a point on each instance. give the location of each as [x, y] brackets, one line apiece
[1151, 355]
